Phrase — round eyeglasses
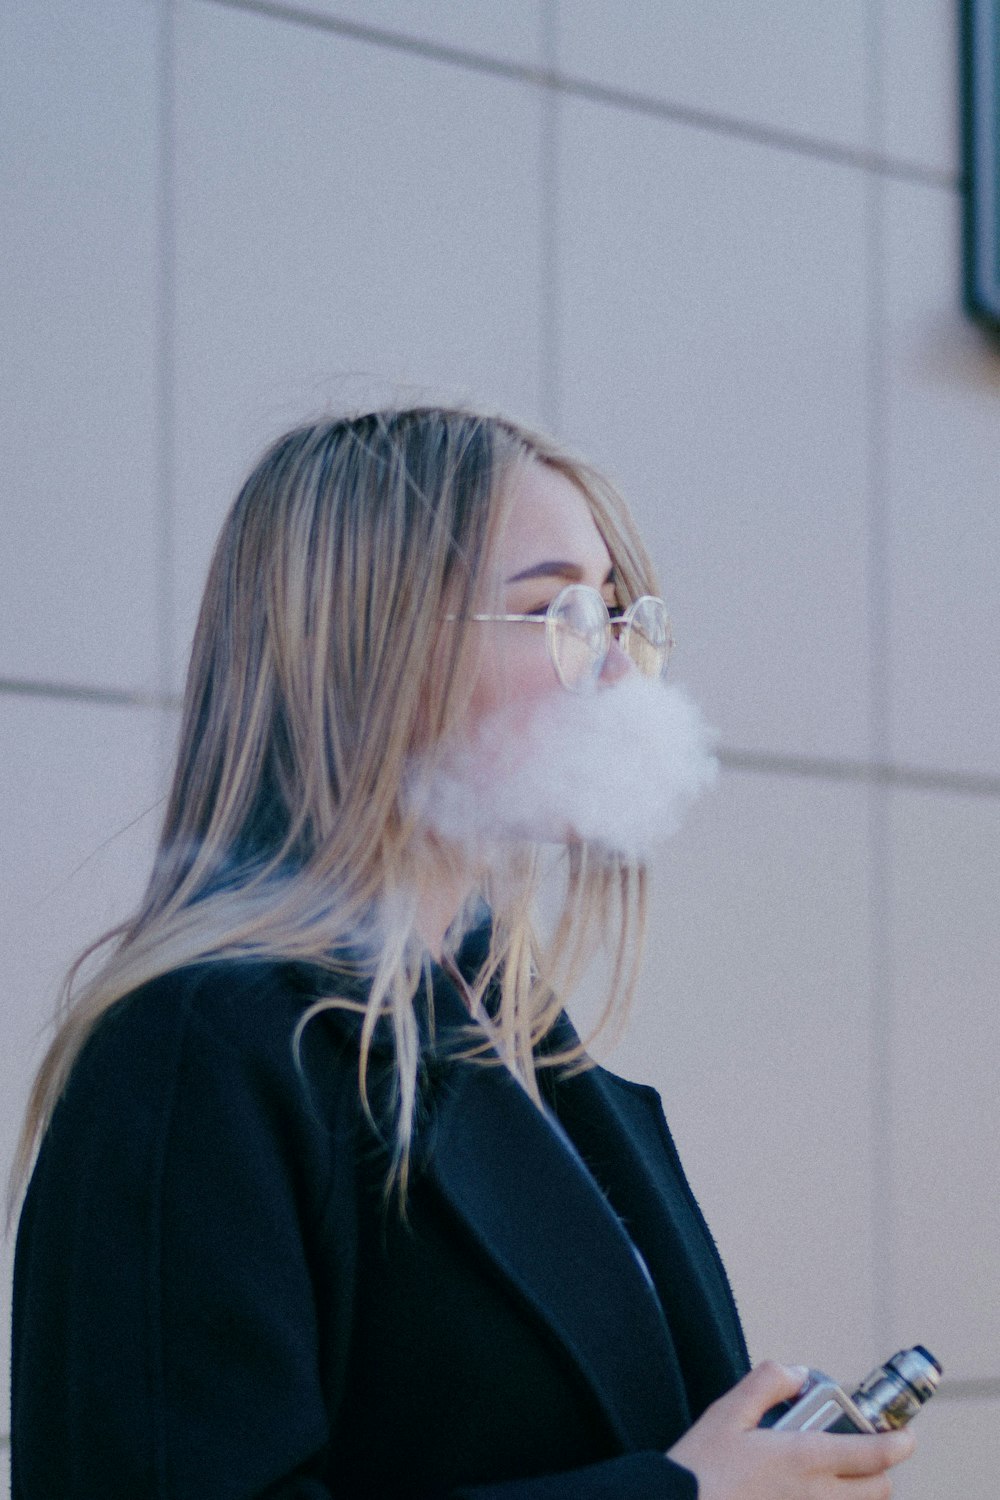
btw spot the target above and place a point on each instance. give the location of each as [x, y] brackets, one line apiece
[579, 630]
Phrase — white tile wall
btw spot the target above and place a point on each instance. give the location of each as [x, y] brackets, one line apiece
[942, 467]
[79, 252]
[753, 1022]
[945, 1255]
[777, 63]
[75, 776]
[920, 82]
[348, 216]
[958, 1452]
[713, 335]
[354, 218]
[512, 31]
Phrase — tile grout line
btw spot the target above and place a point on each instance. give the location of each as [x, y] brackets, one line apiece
[881, 913]
[582, 88]
[549, 403]
[731, 758]
[166, 368]
[875, 773]
[78, 693]
[973, 1388]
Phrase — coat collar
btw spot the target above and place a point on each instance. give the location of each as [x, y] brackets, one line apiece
[620, 1129]
[539, 1217]
[546, 1225]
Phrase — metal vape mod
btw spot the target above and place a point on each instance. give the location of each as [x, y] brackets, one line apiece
[887, 1398]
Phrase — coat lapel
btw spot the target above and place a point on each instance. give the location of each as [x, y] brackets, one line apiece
[539, 1217]
[547, 1226]
[620, 1130]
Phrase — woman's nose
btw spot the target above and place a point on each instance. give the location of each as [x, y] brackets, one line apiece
[617, 664]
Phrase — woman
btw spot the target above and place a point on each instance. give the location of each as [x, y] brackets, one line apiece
[328, 1201]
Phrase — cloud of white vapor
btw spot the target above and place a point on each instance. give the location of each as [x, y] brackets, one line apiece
[617, 768]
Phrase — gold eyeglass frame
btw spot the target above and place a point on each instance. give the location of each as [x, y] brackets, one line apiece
[622, 623]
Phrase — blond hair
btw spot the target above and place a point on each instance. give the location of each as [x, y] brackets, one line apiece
[287, 824]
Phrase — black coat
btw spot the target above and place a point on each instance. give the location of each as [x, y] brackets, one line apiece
[211, 1299]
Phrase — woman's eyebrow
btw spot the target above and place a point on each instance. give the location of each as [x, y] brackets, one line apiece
[554, 569]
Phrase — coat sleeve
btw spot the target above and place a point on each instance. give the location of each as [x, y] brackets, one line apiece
[168, 1333]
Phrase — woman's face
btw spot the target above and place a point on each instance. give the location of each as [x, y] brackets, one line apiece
[528, 762]
[549, 539]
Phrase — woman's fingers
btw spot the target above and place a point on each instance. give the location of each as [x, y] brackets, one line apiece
[734, 1458]
[855, 1457]
[766, 1385]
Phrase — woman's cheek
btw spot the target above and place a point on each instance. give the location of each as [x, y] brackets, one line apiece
[512, 686]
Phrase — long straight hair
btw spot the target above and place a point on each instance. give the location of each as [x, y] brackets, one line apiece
[318, 670]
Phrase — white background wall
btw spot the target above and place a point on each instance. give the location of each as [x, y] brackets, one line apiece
[715, 246]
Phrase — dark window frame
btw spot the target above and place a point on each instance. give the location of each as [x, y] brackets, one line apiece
[981, 150]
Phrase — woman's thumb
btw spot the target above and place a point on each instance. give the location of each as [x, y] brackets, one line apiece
[766, 1385]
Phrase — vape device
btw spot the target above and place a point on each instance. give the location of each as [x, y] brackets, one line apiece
[886, 1399]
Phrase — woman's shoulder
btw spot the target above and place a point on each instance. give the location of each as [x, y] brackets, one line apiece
[203, 1046]
[245, 1003]
[242, 1004]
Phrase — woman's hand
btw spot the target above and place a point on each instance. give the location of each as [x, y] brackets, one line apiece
[735, 1459]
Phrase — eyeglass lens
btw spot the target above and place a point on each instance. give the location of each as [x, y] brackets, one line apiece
[645, 635]
[579, 635]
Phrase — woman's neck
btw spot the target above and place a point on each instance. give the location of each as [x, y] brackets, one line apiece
[444, 885]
